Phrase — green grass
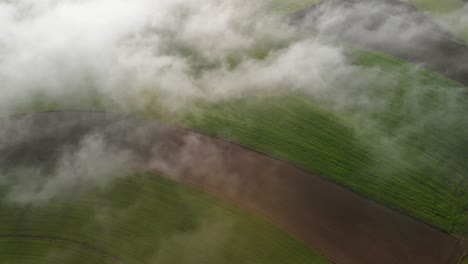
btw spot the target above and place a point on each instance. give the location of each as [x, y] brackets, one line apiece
[291, 6]
[31, 251]
[465, 261]
[408, 150]
[437, 6]
[144, 218]
[434, 6]
[406, 147]
[449, 12]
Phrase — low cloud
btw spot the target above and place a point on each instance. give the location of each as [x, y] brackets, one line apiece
[150, 54]
[168, 53]
[90, 164]
[119, 50]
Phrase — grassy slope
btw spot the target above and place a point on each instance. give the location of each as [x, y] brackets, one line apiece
[448, 12]
[410, 153]
[25, 251]
[145, 218]
[290, 6]
[413, 160]
[437, 6]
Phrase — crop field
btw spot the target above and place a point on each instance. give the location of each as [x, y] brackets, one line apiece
[143, 219]
[35, 250]
[350, 151]
[424, 174]
[437, 6]
[287, 7]
[386, 130]
[284, 194]
[425, 5]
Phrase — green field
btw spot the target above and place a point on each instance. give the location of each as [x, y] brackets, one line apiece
[287, 7]
[33, 251]
[144, 218]
[448, 11]
[434, 6]
[406, 147]
[406, 153]
[437, 6]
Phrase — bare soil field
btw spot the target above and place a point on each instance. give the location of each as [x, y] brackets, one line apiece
[346, 227]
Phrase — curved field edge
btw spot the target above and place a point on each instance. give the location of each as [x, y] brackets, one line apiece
[402, 159]
[35, 250]
[144, 218]
[434, 6]
[317, 142]
[450, 13]
[395, 154]
[408, 152]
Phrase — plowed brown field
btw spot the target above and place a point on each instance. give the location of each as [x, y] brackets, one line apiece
[345, 226]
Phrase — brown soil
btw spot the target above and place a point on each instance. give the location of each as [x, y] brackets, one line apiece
[346, 227]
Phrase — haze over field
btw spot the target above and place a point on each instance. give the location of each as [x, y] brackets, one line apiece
[171, 51]
[318, 88]
[169, 54]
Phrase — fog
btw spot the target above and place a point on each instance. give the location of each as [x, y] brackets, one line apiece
[145, 53]
[168, 55]
[92, 163]
[120, 50]
[165, 55]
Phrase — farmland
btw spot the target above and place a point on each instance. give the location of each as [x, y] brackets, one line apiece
[351, 152]
[353, 149]
[437, 6]
[300, 202]
[144, 218]
[389, 130]
[35, 250]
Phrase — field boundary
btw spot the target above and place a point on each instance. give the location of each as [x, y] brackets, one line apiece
[311, 204]
[83, 245]
[289, 162]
